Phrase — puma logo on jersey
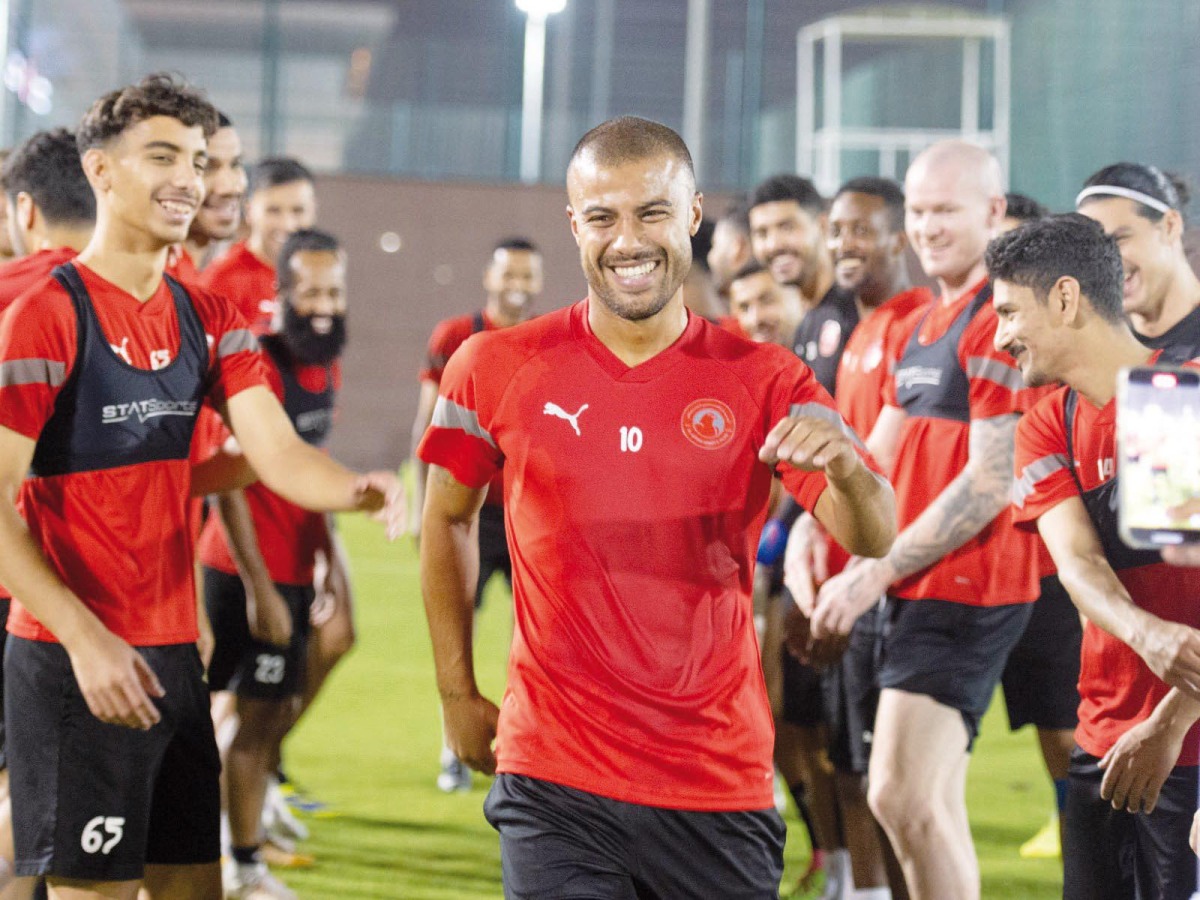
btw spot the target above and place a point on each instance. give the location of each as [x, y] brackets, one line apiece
[122, 350]
[553, 409]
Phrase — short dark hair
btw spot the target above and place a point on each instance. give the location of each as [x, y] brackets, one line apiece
[737, 214]
[752, 267]
[1023, 208]
[886, 189]
[160, 94]
[789, 187]
[519, 244]
[1152, 181]
[276, 170]
[223, 121]
[311, 240]
[1038, 253]
[629, 138]
[47, 168]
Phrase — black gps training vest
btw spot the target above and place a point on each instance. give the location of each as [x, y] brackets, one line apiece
[1101, 505]
[111, 414]
[311, 413]
[930, 381]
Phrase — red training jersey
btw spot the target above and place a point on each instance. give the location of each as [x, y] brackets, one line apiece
[118, 538]
[288, 535]
[245, 281]
[446, 338]
[181, 266]
[634, 500]
[1117, 690]
[998, 565]
[23, 273]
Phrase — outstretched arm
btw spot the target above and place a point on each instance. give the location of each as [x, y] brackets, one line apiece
[964, 508]
[449, 570]
[301, 473]
[426, 401]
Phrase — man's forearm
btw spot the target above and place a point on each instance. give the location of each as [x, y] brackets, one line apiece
[1100, 596]
[27, 575]
[449, 570]
[238, 523]
[966, 506]
[309, 478]
[862, 513]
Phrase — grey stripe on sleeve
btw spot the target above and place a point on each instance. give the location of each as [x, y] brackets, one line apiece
[1036, 471]
[448, 414]
[32, 371]
[995, 371]
[236, 341]
[821, 411]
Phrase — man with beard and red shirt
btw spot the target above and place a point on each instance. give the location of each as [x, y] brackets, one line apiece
[868, 247]
[961, 576]
[512, 283]
[641, 442]
[102, 369]
[1132, 777]
[282, 199]
[259, 591]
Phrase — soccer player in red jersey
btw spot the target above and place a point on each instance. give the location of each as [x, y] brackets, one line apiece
[51, 209]
[282, 200]
[634, 739]
[965, 578]
[787, 235]
[225, 183]
[512, 283]
[1142, 207]
[867, 245]
[110, 743]
[259, 585]
[1132, 792]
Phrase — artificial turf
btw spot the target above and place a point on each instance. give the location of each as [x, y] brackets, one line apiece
[370, 749]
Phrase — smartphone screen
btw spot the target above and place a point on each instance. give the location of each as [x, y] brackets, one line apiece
[1158, 445]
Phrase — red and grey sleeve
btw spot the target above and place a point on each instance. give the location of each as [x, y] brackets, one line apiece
[459, 439]
[37, 351]
[1043, 470]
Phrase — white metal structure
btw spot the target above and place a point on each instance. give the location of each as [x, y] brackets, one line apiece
[536, 12]
[819, 148]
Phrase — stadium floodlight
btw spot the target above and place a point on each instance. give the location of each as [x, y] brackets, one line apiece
[536, 12]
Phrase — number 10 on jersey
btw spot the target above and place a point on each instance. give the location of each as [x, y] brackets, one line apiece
[631, 439]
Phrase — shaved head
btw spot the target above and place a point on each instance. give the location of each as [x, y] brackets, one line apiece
[975, 167]
[629, 139]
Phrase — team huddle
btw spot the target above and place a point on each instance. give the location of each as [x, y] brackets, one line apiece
[797, 531]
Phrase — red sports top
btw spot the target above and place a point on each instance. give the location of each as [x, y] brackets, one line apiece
[19, 275]
[181, 266]
[865, 369]
[998, 565]
[246, 281]
[448, 335]
[1116, 688]
[633, 502]
[288, 535]
[118, 538]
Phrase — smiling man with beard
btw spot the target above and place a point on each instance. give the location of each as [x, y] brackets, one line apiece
[258, 584]
[634, 739]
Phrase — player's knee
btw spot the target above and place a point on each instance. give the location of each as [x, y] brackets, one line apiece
[895, 805]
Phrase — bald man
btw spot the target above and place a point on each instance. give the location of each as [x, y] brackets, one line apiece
[960, 577]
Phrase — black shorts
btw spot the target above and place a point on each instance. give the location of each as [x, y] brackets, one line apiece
[251, 668]
[1111, 854]
[557, 842]
[951, 652]
[98, 802]
[1041, 679]
[493, 549]
[5, 606]
[852, 692]
[803, 687]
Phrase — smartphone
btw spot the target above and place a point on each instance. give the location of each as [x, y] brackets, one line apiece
[1158, 456]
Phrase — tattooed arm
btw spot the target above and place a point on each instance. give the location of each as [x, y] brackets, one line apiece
[963, 509]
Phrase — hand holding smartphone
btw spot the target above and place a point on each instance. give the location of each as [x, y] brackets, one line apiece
[1158, 456]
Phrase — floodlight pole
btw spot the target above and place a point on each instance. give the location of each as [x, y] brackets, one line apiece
[531, 96]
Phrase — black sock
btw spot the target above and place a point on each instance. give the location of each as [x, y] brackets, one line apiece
[800, 796]
[248, 856]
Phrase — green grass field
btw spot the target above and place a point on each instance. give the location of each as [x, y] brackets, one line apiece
[370, 748]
